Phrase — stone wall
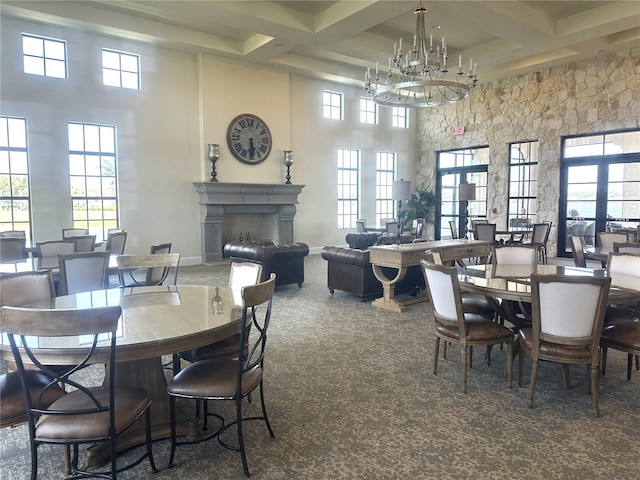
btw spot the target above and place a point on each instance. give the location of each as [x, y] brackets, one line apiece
[593, 96]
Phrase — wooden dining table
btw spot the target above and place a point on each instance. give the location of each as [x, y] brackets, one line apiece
[155, 321]
[513, 284]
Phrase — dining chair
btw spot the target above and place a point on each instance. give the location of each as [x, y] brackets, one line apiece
[539, 238]
[74, 232]
[577, 250]
[625, 337]
[607, 239]
[83, 272]
[564, 331]
[47, 252]
[230, 379]
[116, 242]
[155, 276]
[84, 243]
[128, 265]
[453, 325]
[361, 225]
[13, 233]
[628, 247]
[514, 255]
[87, 414]
[454, 229]
[485, 232]
[241, 274]
[12, 249]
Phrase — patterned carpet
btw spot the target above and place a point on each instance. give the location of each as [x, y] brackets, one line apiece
[351, 395]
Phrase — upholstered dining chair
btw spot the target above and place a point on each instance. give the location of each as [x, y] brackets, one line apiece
[628, 247]
[453, 325]
[454, 229]
[361, 225]
[86, 414]
[128, 265]
[84, 243]
[13, 233]
[116, 242]
[241, 274]
[12, 249]
[74, 232]
[514, 255]
[625, 337]
[539, 238]
[485, 232]
[155, 276]
[48, 252]
[83, 272]
[607, 239]
[230, 379]
[566, 332]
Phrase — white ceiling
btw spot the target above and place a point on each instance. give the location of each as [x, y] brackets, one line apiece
[337, 40]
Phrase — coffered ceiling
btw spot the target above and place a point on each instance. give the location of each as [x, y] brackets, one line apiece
[337, 40]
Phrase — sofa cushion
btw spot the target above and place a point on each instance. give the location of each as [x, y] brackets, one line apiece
[361, 241]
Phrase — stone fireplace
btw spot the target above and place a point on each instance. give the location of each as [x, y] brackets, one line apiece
[231, 211]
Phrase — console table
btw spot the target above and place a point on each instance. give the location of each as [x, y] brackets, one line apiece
[406, 255]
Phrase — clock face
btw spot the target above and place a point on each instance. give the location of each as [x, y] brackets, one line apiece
[249, 139]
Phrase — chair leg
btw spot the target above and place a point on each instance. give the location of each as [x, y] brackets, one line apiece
[463, 359]
[510, 364]
[567, 376]
[532, 384]
[264, 411]
[243, 454]
[444, 350]
[435, 356]
[172, 416]
[629, 364]
[603, 367]
[520, 365]
[66, 454]
[147, 431]
[595, 378]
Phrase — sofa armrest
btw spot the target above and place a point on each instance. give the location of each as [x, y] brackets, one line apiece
[349, 256]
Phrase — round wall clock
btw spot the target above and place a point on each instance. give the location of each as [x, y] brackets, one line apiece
[249, 139]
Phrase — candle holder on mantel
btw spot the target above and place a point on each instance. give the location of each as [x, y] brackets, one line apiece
[288, 161]
[213, 154]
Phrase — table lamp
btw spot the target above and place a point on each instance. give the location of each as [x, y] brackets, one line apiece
[401, 190]
[466, 192]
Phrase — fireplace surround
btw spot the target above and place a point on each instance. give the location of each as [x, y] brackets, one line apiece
[219, 200]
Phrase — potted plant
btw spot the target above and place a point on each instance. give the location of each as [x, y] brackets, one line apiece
[422, 204]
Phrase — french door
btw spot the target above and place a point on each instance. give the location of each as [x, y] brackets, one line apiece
[451, 208]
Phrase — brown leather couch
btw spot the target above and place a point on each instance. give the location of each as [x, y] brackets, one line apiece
[286, 261]
[349, 270]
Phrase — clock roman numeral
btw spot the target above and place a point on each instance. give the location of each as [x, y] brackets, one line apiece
[263, 148]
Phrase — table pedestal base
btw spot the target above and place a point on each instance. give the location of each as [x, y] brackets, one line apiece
[388, 300]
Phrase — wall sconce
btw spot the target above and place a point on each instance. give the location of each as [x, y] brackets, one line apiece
[213, 155]
[288, 161]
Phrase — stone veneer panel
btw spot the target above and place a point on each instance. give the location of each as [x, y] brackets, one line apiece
[593, 96]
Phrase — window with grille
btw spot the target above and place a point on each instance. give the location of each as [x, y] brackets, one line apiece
[120, 69]
[348, 187]
[368, 111]
[44, 56]
[399, 117]
[523, 184]
[15, 200]
[385, 175]
[332, 105]
[93, 177]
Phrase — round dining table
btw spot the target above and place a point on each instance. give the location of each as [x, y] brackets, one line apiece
[155, 321]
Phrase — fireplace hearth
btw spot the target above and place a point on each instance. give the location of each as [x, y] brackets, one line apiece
[233, 210]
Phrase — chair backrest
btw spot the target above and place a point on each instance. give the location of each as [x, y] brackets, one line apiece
[83, 272]
[17, 289]
[628, 247]
[515, 255]
[577, 249]
[392, 228]
[590, 233]
[418, 227]
[155, 276]
[361, 225]
[12, 249]
[116, 242]
[74, 232]
[115, 230]
[256, 311]
[128, 264]
[243, 274]
[48, 252]
[568, 310]
[453, 228]
[21, 323]
[607, 239]
[84, 243]
[624, 270]
[444, 292]
[485, 231]
[540, 233]
[13, 233]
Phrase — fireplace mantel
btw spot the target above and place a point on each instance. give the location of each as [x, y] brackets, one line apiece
[218, 199]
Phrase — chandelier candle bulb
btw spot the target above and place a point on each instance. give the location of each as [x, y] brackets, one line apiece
[431, 42]
[460, 61]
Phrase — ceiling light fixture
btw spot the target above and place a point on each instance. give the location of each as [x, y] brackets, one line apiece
[421, 76]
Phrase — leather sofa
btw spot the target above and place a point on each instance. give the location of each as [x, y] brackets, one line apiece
[286, 261]
[349, 270]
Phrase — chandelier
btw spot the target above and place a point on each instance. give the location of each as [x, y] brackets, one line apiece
[421, 76]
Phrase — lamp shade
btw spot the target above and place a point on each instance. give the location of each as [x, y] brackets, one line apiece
[401, 190]
[466, 191]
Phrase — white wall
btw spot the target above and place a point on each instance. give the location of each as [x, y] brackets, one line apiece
[187, 101]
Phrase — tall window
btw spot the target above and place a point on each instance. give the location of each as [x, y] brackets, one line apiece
[332, 105]
[15, 203]
[599, 185]
[44, 56]
[348, 187]
[120, 69]
[368, 111]
[523, 184]
[385, 175]
[93, 177]
[399, 117]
